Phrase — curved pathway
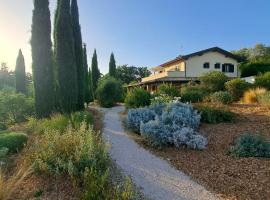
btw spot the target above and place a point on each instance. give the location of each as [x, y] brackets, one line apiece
[154, 176]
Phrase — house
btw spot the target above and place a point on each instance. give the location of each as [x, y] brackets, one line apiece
[189, 67]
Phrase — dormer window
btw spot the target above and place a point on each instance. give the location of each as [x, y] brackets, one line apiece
[206, 65]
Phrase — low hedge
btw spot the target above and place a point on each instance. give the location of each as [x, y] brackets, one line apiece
[12, 141]
[214, 115]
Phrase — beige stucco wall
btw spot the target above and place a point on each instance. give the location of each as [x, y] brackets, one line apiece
[180, 65]
[194, 65]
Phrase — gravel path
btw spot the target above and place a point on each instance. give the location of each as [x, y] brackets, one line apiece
[157, 179]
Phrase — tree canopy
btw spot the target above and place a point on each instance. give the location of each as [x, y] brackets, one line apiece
[112, 66]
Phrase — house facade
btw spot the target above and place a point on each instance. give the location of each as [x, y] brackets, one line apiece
[191, 67]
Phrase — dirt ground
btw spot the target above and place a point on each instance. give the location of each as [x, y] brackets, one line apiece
[229, 177]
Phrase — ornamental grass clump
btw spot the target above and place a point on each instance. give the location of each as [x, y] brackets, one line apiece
[252, 95]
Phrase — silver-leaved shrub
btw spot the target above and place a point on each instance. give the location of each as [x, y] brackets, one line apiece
[172, 124]
[137, 116]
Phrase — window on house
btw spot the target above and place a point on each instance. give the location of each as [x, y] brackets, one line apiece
[206, 65]
[228, 68]
[217, 66]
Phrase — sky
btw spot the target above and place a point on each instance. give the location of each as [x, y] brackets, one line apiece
[144, 32]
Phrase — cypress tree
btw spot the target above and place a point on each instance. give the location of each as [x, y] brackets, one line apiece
[20, 76]
[95, 71]
[65, 58]
[78, 53]
[112, 66]
[42, 59]
[86, 76]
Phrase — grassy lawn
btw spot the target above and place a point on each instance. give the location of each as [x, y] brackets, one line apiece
[230, 177]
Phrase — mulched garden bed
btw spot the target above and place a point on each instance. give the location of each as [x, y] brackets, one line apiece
[229, 177]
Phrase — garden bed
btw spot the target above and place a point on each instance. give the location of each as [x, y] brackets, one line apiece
[232, 178]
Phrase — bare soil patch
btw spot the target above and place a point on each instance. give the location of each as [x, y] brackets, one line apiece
[230, 177]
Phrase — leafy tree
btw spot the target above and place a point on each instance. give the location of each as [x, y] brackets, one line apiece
[78, 54]
[128, 74]
[7, 78]
[65, 59]
[112, 66]
[95, 71]
[109, 91]
[87, 76]
[214, 80]
[263, 80]
[42, 59]
[20, 74]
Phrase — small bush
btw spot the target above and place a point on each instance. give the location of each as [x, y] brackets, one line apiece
[237, 87]
[169, 90]
[14, 108]
[109, 92]
[137, 97]
[214, 80]
[69, 153]
[193, 94]
[251, 145]
[137, 116]
[162, 98]
[213, 115]
[264, 98]
[263, 80]
[13, 141]
[221, 98]
[252, 95]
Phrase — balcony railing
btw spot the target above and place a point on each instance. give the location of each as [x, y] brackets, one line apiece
[168, 74]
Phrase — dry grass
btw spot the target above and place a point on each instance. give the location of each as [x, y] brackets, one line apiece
[8, 185]
[251, 96]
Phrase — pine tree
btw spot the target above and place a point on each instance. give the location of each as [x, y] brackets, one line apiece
[87, 92]
[20, 76]
[95, 72]
[78, 54]
[65, 58]
[112, 66]
[42, 59]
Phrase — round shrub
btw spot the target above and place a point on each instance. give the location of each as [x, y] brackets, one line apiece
[109, 92]
[168, 89]
[137, 116]
[251, 145]
[237, 87]
[137, 97]
[12, 141]
[263, 80]
[222, 98]
[214, 80]
[193, 93]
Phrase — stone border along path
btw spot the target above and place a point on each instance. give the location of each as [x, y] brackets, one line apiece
[154, 176]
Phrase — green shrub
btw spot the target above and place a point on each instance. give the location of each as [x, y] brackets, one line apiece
[14, 108]
[251, 145]
[213, 115]
[12, 141]
[264, 98]
[137, 97]
[214, 80]
[109, 91]
[221, 98]
[193, 94]
[3, 153]
[237, 87]
[254, 68]
[162, 98]
[69, 153]
[263, 80]
[60, 122]
[169, 90]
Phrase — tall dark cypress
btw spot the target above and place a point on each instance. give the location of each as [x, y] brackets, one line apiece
[78, 53]
[65, 61]
[112, 66]
[95, 71]
[42, 59]
[87, 86]
[20, 74]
